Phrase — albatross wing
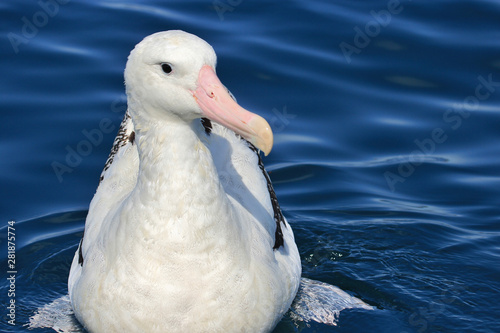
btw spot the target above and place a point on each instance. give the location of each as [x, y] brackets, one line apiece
[116, 182]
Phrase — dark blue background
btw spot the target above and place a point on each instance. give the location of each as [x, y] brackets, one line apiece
[386, 160]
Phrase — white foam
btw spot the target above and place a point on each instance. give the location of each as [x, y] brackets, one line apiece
[322, 302]
[57, 315]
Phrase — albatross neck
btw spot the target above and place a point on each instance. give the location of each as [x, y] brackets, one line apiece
[178, 187]
[172, 155]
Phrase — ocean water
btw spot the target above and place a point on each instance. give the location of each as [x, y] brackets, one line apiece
[386, 161]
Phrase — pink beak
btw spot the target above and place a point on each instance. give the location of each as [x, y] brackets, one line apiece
[217, 105]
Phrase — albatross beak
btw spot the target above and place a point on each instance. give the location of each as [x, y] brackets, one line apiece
[217, 105]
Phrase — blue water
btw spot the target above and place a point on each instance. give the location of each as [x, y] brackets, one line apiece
[386, 117]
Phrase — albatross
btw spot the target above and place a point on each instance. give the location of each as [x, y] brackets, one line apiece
[184, 232]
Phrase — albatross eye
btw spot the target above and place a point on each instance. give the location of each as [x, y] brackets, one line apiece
[167, 68]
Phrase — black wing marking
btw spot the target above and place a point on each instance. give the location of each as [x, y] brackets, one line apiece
[122, 138]
[80, 254]
[278, 214]
[207, 124]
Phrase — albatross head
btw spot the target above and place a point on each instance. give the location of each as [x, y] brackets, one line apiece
[171, 75]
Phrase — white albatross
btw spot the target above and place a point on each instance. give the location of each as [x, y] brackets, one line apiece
[184, 233]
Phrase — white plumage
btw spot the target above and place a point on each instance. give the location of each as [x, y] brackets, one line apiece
[182, 234]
